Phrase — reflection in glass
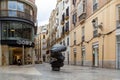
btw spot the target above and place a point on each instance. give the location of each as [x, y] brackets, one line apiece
[16, 30]
[15, 8]
[20, 7]
[12, 5]
[12, 13]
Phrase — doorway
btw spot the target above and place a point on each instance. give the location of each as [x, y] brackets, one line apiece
[75, 55]
[74, 59]
[15, 54]
[95, 55]
[83, 56]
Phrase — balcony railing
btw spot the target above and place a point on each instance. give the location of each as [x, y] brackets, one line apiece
[67, 17]
[62, 22]
[82, 17]
[18, 14]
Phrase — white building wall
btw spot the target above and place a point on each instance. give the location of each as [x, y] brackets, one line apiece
[61, 11]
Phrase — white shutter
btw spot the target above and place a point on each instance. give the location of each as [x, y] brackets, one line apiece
[80, 8]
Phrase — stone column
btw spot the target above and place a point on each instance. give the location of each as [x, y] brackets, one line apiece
[6, 54]
[23, 54]
[33, 56]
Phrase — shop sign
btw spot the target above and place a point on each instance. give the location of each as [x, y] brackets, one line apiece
[24, 42]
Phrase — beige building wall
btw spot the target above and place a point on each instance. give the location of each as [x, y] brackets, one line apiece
[106, 15]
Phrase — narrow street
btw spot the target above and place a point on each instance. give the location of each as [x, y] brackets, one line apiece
[43, 72]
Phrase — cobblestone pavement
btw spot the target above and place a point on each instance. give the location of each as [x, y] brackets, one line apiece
[68, 72]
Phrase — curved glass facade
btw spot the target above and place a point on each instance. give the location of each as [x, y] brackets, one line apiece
[16, 9]
[17, 25]
[13, 30]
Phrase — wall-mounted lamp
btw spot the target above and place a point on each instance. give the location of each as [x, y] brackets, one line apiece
[100, 26]
[94, 23]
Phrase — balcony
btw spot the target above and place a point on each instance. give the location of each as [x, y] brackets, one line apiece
[67, 17]
[67, 30]
[82, 17]
[62, 22]
[17, 14]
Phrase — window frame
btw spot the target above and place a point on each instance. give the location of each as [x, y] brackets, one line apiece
[95, 5]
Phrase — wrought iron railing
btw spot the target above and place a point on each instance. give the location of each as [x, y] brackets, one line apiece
[18, 14]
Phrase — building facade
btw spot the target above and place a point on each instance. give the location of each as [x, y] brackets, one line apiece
[38, 45]
[17, 29]
[94, 35]
[96, 22]
[63, 26]
[59, 27]
[44, 43]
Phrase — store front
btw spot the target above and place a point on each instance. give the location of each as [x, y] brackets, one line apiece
[23, 51]
[17, 30]
[16, 42]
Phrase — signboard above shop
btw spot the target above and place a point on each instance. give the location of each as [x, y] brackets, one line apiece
[24, 42]
[18, 43]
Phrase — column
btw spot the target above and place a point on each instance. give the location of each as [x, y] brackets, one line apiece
[23, 54]
[33, 56]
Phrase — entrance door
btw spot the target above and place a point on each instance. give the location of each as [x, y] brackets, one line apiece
[74, 59]
[118, 55]
[68, 57]
[95, 56]
[14, 55]
[83, 56]
[75, 53]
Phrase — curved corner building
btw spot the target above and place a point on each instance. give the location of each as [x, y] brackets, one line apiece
[17, 29]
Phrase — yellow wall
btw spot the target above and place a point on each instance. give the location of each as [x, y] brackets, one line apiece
[106, 15]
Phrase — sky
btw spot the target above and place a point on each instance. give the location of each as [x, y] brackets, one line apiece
[45, 8]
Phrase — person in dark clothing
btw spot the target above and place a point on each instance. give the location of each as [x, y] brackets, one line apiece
[19, 62]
